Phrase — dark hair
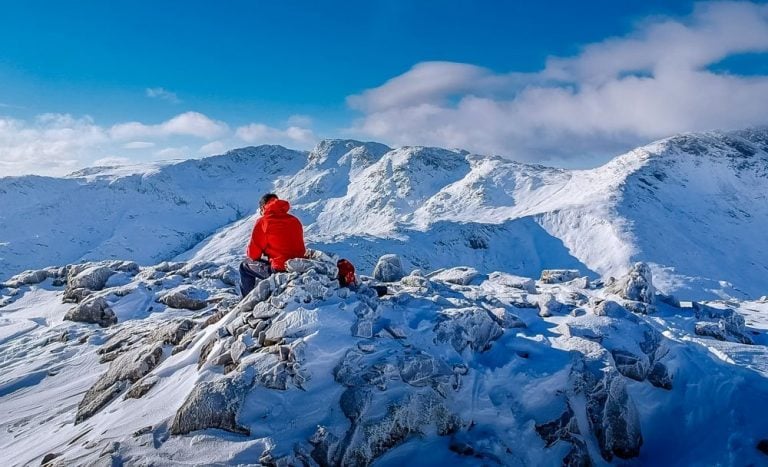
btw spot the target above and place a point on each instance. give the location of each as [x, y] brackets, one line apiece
[266, 199]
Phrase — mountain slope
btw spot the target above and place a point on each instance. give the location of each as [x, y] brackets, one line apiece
[693, 206]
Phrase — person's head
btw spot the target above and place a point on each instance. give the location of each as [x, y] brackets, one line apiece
[266, 199]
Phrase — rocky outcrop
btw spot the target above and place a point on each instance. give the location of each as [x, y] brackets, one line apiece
[185, 297]
[214, 404]
[635, 286]
[558, 276]
[92, 310]
[123, 371]
[721, 323]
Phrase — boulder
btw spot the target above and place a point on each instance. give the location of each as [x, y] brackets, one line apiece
[94, 311]
[467, 327]
[636, 285]
[558, 276]
[515, 282]
[185, 297]
[389, 268]
[459, 275]
[214, 404]
[127, 368]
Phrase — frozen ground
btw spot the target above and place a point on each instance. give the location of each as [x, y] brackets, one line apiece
[459, 368]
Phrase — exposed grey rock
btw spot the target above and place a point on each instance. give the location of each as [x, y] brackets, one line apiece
[389, 268]
[566, 428]
[128, 368]
[185, 297]
[354, 402]
[612, 415]
[630, 365]
[611, 309]
[167, 266]
[660, 376]
[467, 327]
[27, 278]
[141, 387]
[94, 277]
[94, 310]
[173, 332]
[214, 404]
[558, 276]
[636, 285]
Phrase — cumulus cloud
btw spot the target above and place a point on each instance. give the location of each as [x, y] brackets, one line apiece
[163, 94]
[259, 133]
[139, 145]
[50, 144]
[56, 144]
[185, 124]
[111, 161]
[213, 148]
[611, 96]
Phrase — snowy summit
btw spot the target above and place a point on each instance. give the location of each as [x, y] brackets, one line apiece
[533, 315]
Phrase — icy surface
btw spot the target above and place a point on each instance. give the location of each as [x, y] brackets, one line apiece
[457, 368]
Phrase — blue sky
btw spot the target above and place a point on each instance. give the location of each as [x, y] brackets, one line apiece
[290, 72]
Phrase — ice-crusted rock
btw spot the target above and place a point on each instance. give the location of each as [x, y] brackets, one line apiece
[548, 305]
[214, 404]
[467, 327]
[566, 428]
[506, 319]
[126, 369]
[31, 277]
[389, 268]
[403, 420]
[723, 324]
[612, 415]
[515, 282]
[558, 276]
[461, 275]
[185, 297]
[94, 310]
[303, 265]
[636, 285]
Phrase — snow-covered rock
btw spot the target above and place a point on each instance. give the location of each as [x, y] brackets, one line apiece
[185, 297]
[92, 310]
[389, 268]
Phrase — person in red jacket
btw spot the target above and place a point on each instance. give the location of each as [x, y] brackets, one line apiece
[277, 236]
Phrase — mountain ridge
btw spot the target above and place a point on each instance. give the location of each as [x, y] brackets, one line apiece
[345, 189]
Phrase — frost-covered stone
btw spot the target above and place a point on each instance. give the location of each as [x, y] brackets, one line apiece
[418, 282]
[389, 268]
[214, 404]
[636, 285]
[185, 297]
[94, 311]
[467, 327]
[515, 282]
[296, 323]
[548, 305]
[91, 278]
[506, 319]
[461, 275]
[726, 324]
[558, 276]
[27, 278]
[173, 332]
[422, 370]
[302, 265]
[630, 365]
[128, 368]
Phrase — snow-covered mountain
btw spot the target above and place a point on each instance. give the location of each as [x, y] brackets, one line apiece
[693, 206]
[510, 345]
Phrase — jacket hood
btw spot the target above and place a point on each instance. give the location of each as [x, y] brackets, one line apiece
[277, 206]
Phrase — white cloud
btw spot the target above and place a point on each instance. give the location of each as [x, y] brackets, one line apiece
[51, 144]
[163, 94]
[111, 161]
[173, 153]
[258, 133]
[213, 148]
[139, 145]
[186, 124]
[613, 95]
[56, 144]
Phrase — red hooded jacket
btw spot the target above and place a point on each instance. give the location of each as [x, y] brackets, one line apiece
[278, 235]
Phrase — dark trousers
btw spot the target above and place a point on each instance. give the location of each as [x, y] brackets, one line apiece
[251, 273]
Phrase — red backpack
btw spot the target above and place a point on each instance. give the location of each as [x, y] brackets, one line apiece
[346, 273]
